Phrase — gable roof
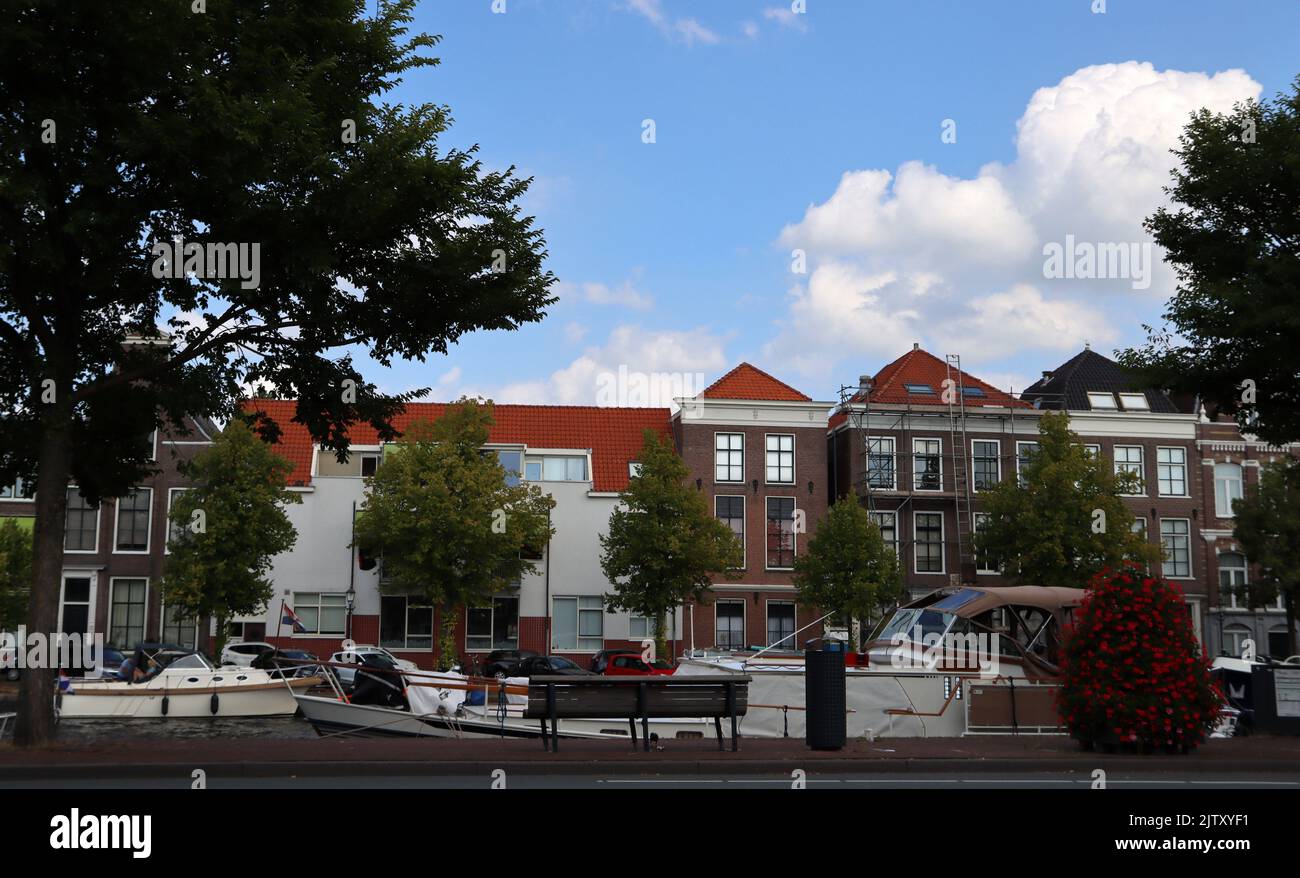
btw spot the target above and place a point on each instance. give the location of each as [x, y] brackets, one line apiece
[750, 382]
[1068, 385]
[614, 435]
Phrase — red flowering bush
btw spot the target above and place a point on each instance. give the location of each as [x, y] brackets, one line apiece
[1131, 673]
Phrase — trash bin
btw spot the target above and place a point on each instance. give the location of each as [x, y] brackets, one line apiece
[825, 696]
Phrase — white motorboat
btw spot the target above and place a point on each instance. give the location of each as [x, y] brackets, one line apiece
[187, 685]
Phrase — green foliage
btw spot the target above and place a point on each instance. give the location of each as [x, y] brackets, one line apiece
[1233, 236]
[227, 529]
[847, 567]
[15, 573]
[1268, 527]
[445, 522]
[1048, 531]
[664, 545]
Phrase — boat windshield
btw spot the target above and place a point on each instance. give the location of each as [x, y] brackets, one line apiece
[921, 621]
[193, 662]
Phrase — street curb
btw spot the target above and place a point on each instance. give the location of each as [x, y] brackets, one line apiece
[683, 768]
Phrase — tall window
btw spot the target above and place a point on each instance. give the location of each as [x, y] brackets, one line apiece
[1171, 471]
[1232, 579]
[80, 524]
[495, 626]
[556, 468]
[127, 612]
[927, 465]
[929, 542]
[321, 612]
[780, 532]
[1234, 639]
[15, 490]
[780, 624]
[730, 624]
[1227, 487]
[577, 623]
[984, 561]
[178, 630]
[1025, 452]
[888, 524]
[987, 469]
[731, 511]
[880, 462]
[174, 531]
[729, 457]
[1175, 537]
[133, 521]
[512, 461]
[780, 459]
[639, 627]
[405, 622]
[1128, 459]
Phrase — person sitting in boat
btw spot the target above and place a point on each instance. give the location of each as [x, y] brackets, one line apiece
[126, 670]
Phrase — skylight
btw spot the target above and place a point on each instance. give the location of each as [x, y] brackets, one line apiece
[919, 388]
[1099, 400]
[1135, 402]
[973, 391]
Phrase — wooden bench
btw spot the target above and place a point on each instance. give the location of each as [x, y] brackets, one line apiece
[631, 698]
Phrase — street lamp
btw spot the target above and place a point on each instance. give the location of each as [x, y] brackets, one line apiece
[350, 600]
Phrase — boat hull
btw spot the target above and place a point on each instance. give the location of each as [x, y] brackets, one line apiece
[164, 698]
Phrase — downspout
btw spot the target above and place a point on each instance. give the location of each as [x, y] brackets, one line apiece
[547, 610]
[352, 565]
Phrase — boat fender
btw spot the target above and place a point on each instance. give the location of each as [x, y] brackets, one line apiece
[214, 704]
[165, 703]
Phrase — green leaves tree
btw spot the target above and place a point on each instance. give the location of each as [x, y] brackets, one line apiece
[448, 522]
[664, 546]
[1064, 520]
[1268, 527]
[15, 572]
[125, 127]
[226, 530]
[1233, 237]
[847, 567]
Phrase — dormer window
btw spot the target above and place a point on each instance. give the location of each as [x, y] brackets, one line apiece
[1102, 401]
[1135, 402]
[919, 388]
[973, 391]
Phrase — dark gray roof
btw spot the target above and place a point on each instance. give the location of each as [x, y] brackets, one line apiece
[1069, 384]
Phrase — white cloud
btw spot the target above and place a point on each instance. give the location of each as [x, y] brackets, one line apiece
[688, 30]
[625, 295]
[957, 263]
[786, 17]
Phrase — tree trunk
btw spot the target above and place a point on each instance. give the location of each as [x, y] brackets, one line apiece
[1291, 648]
[219, 640]
[661, 642]
[447, 638]
[35, 723]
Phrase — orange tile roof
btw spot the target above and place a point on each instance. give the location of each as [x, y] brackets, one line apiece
[919, 366]
[614, 435]
[749, 382]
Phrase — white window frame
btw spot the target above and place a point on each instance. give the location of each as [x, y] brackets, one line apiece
[1120, 466]
[789, 642]
[1219, 512]
[17, 487]
[975, 520]
[997, 462]
[1019, 458]
[728, 451]
[892, 454]
[90, 604]
[1245, 577]
[744, 619]
[148, 531]
[99, 512]
[171, 498]
[915, 474]
[794, 534]
[578, 636]
[1168, 559]
[296, 604]
[767, 470]
[893, 514]
[108, 621]
[670, 626]
[162, 627]
[916, 542]
[492, 608]
[1092, 404]
[1144, 406]
[406, 624]
[744, 526]
[1160, 490]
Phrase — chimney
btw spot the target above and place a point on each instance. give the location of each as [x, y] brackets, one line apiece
[916, 345]
[864, 383]
[1047, 376]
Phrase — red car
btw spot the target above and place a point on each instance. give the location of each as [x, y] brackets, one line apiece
[630, 664]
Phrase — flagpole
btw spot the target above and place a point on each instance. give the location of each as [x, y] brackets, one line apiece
[279, 622]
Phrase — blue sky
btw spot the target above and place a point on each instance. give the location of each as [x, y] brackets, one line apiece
[675, 256]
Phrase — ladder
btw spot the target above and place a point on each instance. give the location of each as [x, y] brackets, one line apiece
[955, 396]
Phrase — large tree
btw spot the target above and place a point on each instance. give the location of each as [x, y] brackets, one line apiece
[229, 126]
[664, 546]
[847, 567]
[1233, 236]
[451, 525]
[15, 572]
[226, 530]
[1064, 520]
[1268, 526]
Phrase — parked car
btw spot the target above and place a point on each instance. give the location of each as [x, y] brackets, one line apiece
[241, 655]
[111, 660]
[347, 676]
[292, 666]
[502, 662]
[542, 665]
[630, 664]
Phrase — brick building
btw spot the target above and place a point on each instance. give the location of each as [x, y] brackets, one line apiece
[756, 447]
